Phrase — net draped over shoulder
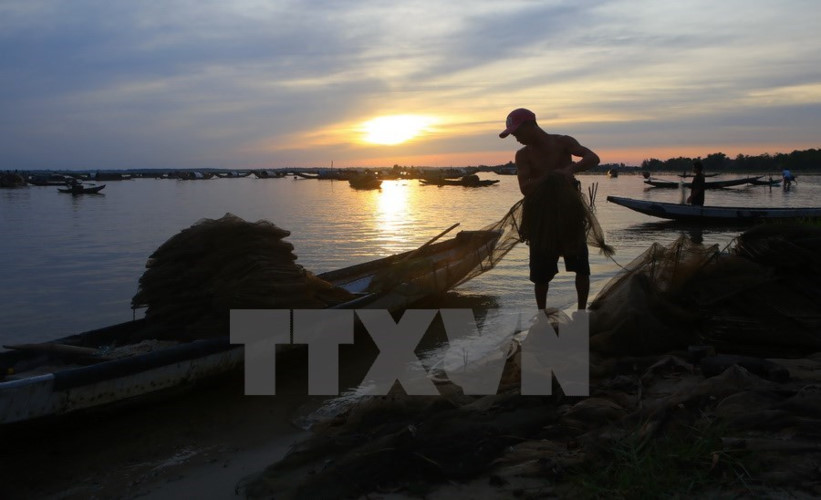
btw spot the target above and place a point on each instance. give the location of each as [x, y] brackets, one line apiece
[556, 219]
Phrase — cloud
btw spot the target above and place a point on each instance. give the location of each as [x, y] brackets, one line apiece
[208, 83]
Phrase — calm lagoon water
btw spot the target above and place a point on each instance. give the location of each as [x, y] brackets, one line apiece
[72, 263]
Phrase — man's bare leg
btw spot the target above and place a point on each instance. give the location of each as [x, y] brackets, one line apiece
[582, 289]
[541, 295]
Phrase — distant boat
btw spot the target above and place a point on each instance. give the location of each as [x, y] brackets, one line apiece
[269, 174]
[506, 170]
[471, 180]
[232, 175]
[707, 185]
[612, 173]
[768, 182]
[80, 189]
[365, 182]
[707, 214]
[194, 176]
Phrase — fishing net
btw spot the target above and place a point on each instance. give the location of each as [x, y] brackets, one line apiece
[759, 296]
[557, 220]
[195, 278]
[556, 213]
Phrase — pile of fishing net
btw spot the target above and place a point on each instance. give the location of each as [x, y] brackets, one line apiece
[761, 295]
[195, 278]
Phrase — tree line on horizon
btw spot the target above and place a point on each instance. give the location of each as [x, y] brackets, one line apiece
[808, 159]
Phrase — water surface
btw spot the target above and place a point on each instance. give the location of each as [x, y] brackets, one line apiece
[72, 263]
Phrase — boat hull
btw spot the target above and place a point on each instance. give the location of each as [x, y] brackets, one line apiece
[708, 214]
[82, 189]
[103, 382]
[707, 185]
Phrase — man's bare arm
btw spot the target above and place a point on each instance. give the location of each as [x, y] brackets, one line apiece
[589, 159]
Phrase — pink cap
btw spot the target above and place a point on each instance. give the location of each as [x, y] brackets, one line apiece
[515, 120]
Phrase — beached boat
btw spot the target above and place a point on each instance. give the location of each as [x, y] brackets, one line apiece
[707, 214]
[80, 189]
[101, 367]
[707, 185]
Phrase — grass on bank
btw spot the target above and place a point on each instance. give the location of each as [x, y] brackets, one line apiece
[676, 466]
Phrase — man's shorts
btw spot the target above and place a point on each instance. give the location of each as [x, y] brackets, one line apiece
[543, 267]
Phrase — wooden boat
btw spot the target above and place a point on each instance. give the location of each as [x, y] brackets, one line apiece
[83, 371]
[232, 174]
[707, 185]
[724, 215]
[194, 176]
[506, 170]
[465, 181]
[269, 174]
[80, 189]
[365, 182]
[332, 174]
[767, 182]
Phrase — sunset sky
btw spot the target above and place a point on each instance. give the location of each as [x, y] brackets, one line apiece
[112, 84]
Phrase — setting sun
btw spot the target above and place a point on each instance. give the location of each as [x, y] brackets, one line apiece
[395, 129]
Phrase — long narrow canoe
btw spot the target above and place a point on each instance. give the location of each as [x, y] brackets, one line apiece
[78, 189]
[707, 185]
[461, 182]
[81, 371]
[731, 215]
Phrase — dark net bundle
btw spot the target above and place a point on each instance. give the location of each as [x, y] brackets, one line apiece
[556, 219]
[195, 278]
[774, 307]
[760, 296]
[641, 310]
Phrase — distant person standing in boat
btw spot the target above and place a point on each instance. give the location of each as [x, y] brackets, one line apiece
[697, 187]
[554, 219]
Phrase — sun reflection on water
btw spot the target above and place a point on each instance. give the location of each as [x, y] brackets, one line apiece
[394, 216]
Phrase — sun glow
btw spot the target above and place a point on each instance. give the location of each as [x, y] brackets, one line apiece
[395, 129]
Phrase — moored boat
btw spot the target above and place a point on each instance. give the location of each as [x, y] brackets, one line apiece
[365, 181]
[135, 359]
[766, 182]
[232, 174]
[707, 185]
[81, 189]
[715, 214]
[471, 180]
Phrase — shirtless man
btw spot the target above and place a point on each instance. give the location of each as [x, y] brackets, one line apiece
[545, 153]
